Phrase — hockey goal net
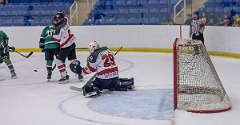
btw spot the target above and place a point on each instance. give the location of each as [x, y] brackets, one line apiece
[197, 87]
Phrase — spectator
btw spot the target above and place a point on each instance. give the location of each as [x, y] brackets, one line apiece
[232, 14]
[188, 19]
[3, 2]
[28, 19]
[226, 20]
[204, 18]
[237, 20]
[212, 19]
[97, 18]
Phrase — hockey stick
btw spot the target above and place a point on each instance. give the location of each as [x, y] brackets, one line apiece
[92, 78]
[26, 56]
[118, 51]
[54, 67]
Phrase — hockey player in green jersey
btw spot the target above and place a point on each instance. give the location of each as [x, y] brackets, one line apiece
[49, 47]
[4, 53]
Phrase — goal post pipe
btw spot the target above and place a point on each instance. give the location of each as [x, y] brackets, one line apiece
[180, 31]
[197, 87]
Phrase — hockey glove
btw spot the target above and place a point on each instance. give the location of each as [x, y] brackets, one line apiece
[12, 48]
[41, 43]
[42, 50]
[5, 57]
[1, 61]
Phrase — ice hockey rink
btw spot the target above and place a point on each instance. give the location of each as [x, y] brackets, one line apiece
[30, 100]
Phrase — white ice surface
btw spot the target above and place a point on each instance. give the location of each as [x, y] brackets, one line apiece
[30, 100]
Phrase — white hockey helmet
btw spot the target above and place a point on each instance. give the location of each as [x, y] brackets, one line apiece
[93, 45]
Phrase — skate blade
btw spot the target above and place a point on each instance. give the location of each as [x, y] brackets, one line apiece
[81, 80]
[64, 82]
[92, 94]
[14, 77]
[2, 79]
[131, 88]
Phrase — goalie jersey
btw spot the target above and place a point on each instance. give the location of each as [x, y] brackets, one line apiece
[103, 63]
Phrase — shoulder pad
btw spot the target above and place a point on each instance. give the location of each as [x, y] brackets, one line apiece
[3, 36]
[93, 57]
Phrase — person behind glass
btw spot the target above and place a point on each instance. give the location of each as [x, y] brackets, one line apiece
[225, 21]
[3, 2]
[197, 27]
[237, 20]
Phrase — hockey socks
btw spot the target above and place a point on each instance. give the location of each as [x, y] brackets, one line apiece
[49, 69]
[63, 72]
[49, 65]
[10, 67]
[62, 69]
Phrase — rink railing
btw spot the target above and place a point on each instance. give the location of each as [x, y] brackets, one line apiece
[154, 50]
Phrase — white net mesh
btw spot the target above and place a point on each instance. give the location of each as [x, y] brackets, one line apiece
[198, 85]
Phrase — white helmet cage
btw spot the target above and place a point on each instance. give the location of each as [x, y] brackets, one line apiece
[93, 46]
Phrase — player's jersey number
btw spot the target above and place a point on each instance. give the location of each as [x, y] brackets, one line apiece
[108, 60]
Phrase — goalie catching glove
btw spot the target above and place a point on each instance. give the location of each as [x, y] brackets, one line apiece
[75, 67]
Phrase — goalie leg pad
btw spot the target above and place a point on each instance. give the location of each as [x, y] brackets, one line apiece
[90, 89]
[125, 84]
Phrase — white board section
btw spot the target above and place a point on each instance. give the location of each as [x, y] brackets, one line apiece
[224, 39]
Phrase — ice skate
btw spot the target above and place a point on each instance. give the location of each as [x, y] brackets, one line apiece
[13, 75]
[49, 76]
[64, 79]
[80, 76]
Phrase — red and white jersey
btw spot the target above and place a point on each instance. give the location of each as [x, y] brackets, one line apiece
[65, 37]
[102, 62]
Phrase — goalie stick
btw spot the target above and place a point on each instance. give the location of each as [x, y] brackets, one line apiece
[26, 56]
[92, 78]
[76, 88]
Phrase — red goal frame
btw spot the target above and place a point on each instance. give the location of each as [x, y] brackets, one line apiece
[175, 84]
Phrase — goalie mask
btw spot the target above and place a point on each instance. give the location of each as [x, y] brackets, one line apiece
[93, 46]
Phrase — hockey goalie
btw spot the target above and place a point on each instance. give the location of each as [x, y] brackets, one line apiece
[102, 62]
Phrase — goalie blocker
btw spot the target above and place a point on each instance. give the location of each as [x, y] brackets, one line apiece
[102, 62]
